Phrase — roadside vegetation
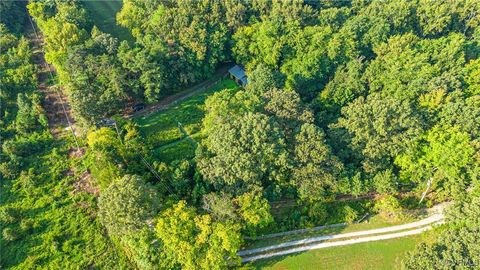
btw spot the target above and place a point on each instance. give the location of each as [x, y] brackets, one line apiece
[352, 108]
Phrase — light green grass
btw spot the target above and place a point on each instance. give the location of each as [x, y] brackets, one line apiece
[103, 14]
[385, 254]
[161, 128]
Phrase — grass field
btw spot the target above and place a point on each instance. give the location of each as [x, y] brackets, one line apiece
[103, 13]
[161, 128]
[385, 254]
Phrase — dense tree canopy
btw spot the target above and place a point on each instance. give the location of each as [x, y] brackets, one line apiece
[351, 108]
[194, 241]
[126, 205]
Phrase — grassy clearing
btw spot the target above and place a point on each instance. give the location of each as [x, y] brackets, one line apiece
[385, 254]
[161, 128]
[103, 13]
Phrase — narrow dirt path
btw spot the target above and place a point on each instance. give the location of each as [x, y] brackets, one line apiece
[54, 102]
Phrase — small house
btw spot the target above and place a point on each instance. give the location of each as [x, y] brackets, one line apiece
[237, 73]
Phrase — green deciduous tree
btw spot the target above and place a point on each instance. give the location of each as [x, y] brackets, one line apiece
[243, 152]
[385, 182]
[254, 211]
[127, 205]
[446, 157]
[457, 246]
[316, 169]
[193, 241]
[380, 128]
[30, 114]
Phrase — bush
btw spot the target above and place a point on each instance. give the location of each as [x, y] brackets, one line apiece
[385, 182]
[9, 215]
[318, 213]
[389, 207]
[10, 234]
[27, 146]
[350, 215]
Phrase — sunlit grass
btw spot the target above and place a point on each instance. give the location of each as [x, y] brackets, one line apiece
[161, 128]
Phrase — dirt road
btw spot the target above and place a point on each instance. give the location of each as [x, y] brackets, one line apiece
[339, 243]
[420, 223]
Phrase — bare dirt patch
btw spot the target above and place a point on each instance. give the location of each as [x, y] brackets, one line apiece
[75, 152]
[85, 183]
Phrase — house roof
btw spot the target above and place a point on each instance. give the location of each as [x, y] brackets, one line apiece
[238, 72]
[244, 80]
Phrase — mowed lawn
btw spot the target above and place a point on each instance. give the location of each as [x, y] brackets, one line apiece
[104, 13]
[386, 254]
[162, 132]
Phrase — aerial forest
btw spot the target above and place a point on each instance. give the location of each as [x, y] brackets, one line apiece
[352, 109]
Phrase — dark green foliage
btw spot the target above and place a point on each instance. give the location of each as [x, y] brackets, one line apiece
[243, 152]
[346, 85]
[96, 84]
[178, 42]
[457, 245]
[318, 213]
[95, 81]
[30, 114]
[380, 128]
[344, 98]
[126, 205]
[317, 168]
[9, 215]
[13, 15]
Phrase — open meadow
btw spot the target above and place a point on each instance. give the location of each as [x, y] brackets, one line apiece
[172, 133]
[103, 15]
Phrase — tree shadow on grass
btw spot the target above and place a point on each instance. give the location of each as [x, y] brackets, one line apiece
[270, 262]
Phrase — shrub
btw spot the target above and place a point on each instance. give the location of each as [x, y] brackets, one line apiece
[350, 214]
[10, 234]
[385, 182]
[389, 207]
[9, 215]
[318, 213]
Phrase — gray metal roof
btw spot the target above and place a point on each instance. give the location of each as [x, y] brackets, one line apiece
[244, 81]
[238, 72]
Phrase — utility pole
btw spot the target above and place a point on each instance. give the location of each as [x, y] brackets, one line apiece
[429, 183]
